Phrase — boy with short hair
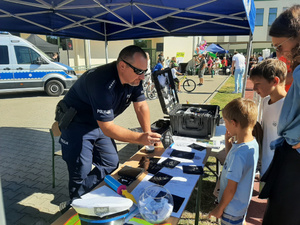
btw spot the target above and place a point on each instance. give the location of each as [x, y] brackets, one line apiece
[268, 78]
[236, 183]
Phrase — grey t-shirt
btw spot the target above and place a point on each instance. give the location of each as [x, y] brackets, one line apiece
[202, 63]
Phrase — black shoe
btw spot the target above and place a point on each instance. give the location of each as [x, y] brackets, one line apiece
[200, 84]
[64, 206]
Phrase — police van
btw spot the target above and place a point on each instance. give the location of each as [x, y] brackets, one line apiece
[24, 67]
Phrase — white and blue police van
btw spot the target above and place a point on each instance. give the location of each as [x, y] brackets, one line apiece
[24, 67]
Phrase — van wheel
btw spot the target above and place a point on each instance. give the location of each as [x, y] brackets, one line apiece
[54, 88]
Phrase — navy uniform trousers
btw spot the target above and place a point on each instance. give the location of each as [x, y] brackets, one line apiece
[82, 147]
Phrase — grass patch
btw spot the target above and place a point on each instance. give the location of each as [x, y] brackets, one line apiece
[225, 95]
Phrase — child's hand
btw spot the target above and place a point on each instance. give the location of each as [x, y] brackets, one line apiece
[228, 141]
[216, 212]
[228, 136]
[296, 146]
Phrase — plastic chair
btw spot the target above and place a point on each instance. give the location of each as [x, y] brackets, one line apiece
[54, 132]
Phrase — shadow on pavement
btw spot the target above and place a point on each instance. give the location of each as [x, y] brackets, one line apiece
[26, 175]
[25, 94]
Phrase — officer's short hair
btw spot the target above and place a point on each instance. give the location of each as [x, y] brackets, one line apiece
[128, 52]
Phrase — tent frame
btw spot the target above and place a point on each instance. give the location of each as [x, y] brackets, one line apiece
[128, 25]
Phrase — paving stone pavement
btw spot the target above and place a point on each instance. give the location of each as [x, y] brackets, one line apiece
[25, 151]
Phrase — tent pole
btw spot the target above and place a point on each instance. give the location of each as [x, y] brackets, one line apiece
[249, 47]
[2, 211]
[106, 44]
[87, 54]
[68, 56]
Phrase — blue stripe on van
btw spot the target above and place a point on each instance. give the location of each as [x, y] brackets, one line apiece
[6, 76]
[34, 74]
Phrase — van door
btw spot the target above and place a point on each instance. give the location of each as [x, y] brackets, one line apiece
[6, 70]
[29, 69]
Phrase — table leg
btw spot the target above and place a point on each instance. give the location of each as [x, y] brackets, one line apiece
[198, 200]
[218, 164]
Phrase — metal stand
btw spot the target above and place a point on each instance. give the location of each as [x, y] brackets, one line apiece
[198, 200]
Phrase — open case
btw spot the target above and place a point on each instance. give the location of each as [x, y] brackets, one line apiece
[191, 120]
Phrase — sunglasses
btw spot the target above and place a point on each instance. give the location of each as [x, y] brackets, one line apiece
[277, 48]
[136, 70]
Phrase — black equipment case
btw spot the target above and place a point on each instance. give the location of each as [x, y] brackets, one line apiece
[191, 120]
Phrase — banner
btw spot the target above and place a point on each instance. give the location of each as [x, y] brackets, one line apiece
[179, 57]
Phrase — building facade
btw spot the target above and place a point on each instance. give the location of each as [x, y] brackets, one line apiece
[266, 12]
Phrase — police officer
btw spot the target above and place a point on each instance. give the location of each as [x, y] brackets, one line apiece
[98, 96]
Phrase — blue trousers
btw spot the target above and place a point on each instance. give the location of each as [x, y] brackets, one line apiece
[238, 80]
[82, 147]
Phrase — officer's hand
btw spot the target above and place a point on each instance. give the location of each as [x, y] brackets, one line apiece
[296, 146]
[150, 138]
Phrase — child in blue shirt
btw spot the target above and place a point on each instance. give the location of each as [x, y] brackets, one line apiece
[236, 183]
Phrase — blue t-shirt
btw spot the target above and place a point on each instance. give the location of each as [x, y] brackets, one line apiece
[157, 67]
[99, 95]
[240, 166]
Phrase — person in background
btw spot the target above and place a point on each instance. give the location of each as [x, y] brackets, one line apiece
[268, 78]
[229, 58]
[148, 64]
[224, 65]
[237, 178]
[173, 60]
[98, 97]
[147, 79]
[282, 180]
[289, 77]
[167, 62]
[210, 64]
[252, 62]
[260, 58]
[159, 65]
[217, 65]
[202, 67]
[238, 65]
[161, 54]
[55, 57]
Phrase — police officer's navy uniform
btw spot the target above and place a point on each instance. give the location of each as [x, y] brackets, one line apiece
[97, 95]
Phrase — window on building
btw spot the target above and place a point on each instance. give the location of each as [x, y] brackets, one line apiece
[143, 43]
[259, 19]
[272, 15]
[54, 40]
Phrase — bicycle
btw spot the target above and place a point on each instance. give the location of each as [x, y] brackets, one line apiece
[188, 84]
[149, 88]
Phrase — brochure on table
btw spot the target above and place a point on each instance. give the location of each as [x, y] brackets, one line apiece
[181, 184]
[180, 181]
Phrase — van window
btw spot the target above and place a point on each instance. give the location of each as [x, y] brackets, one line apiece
[26, 55]
[4, 54]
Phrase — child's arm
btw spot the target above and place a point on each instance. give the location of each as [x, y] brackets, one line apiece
[226, 198]
[178, 73]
